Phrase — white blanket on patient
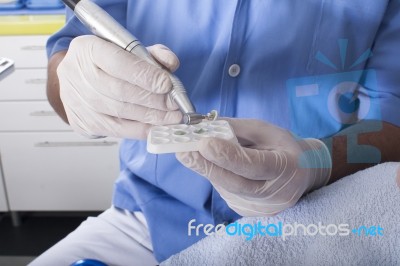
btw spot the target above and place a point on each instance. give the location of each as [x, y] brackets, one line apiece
[369, 198]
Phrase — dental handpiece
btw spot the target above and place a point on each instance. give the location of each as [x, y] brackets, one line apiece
[103, 25]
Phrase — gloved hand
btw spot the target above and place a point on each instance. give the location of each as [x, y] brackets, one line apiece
[107, 91]
[266, 173]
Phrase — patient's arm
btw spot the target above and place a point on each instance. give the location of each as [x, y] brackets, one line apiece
[346, 148]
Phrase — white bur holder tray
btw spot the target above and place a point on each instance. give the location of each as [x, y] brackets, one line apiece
[183, 138]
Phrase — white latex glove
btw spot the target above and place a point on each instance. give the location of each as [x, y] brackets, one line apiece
[266, 173]
[107, 91]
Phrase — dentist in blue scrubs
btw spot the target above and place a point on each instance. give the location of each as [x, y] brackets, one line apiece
[311, 89]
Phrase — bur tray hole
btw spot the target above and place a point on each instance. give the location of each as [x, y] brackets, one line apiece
[180, 133]
[201, 130]
[181, 139]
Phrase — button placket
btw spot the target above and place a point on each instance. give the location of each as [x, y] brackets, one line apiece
[232, 68]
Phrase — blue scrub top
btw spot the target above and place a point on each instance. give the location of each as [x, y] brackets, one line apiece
[313, 67]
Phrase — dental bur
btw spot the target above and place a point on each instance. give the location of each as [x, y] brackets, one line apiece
[100, 23]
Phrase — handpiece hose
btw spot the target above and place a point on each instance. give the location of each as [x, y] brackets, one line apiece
[100, 23]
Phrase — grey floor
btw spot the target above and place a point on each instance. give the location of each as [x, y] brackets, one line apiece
[37, 232]
[15, 260]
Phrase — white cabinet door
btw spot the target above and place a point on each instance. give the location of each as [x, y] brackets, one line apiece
[26, 51]
[58, 171]
[24, 85]
[30, 116]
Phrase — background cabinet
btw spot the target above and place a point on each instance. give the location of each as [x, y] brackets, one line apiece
[3, 199]
[45, 165]
[57, 171]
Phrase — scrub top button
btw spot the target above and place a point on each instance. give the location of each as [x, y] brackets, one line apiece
[234, 70]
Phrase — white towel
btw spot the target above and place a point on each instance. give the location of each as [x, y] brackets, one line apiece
[370, 197]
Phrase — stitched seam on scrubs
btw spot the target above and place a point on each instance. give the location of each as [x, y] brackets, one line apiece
[222, 106]
[155, 172]
[154, 198]
[314, 46]
[238, 31]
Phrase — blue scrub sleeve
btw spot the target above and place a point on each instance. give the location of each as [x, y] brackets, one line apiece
[73, 27]
[385, 64]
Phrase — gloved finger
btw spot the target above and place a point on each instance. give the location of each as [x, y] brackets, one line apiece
[164, 56]
[123, 91]
[99, 104]
[253, 132]
[268, 201]
[246, 197]
[122, 64]
[103, 125]
[136, 112]
[250, 163]
[218, 176]
[169, 60]
[171, 104]
[250, 205]
[260, 204]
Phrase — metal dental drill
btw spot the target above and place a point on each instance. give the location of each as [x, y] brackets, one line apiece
[100, 23]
